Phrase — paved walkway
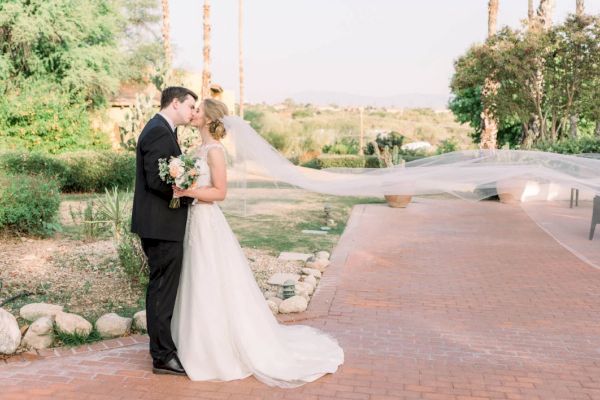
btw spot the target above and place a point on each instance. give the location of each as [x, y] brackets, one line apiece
[442, 300]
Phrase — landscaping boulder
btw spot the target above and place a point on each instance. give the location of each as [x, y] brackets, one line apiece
[322, 255]
[293, 304]
[275, 300]
[320, 264]
[311, 280]
[10, 335]
[304, 287]
[73, 324]
[40, 334]
[34, 311]
[311, 271]
[112, 325]
[139, 321]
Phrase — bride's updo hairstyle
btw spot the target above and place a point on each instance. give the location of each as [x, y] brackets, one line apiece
[215, 110]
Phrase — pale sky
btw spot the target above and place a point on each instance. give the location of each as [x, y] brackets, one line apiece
[360, 47]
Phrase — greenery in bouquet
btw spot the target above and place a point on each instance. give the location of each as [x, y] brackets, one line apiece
[180, 171]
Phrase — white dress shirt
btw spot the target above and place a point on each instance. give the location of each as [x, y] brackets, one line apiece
[171, 124]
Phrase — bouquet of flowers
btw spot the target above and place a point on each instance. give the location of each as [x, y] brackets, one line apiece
[180, 171]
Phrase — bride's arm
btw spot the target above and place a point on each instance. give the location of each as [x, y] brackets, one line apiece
[218, 174]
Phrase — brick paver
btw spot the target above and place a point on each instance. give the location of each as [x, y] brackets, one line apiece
[442, 300]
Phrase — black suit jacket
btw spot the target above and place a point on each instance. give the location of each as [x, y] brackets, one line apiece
[151, 216]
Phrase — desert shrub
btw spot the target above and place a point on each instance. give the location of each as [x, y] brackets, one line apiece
[277, 140]
[132, 257]
[447, 146]
[342, 146]
[389, 139]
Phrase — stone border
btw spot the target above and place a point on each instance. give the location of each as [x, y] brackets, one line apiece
[325, 292]
[318, 307]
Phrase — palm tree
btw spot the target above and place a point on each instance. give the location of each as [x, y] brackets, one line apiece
[166, 35]
[530, 12]
[489, 132]
[206, 51]
[579, 9]
[492, 17]
[544, 13]
[241, 55]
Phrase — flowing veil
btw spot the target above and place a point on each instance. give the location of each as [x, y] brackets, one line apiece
[530, 177]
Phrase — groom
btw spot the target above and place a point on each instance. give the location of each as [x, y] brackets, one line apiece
[161, 228]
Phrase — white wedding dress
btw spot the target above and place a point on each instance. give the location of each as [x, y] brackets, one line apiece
[222, 325]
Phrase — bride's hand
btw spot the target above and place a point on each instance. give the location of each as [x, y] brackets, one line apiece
[179, 192]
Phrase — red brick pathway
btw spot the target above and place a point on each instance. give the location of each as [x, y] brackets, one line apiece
[436, 301]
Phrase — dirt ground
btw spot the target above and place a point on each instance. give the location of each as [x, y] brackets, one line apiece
[86, 278]
[84, 275]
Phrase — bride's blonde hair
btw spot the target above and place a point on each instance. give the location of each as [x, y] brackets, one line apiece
[215, 110]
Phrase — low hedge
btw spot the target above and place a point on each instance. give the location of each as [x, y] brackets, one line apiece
[34, 164]
[340, 161]
[28, 204]
[94, 171]
[83, 171]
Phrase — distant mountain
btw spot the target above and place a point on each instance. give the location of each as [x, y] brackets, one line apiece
[409, 100]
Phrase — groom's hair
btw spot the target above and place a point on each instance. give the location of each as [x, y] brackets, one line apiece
[175, 92]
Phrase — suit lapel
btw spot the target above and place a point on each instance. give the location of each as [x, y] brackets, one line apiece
[172, 134]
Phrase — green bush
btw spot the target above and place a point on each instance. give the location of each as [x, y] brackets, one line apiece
[43, 117]
[85, 171]
[340, 161]
[586, 144]
[447, 146]
[389, 139]
[372, 162]
[94, 171]
[312, 163]
[132, 258]
[342, 146]
[34, 164]
[277, 140]
[28, 204]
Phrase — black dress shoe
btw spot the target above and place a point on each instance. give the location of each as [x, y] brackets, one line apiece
[171, 367]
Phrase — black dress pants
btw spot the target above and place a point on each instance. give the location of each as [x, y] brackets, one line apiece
[164, 261]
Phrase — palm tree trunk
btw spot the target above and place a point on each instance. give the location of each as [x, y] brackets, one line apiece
[492, 17]
[544, 13]
[579, 8]
[241, 55]
[361, 139]
[489, 132]
[166, 35]
[530, 12]
[206, 51]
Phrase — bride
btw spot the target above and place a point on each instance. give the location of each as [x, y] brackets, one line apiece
[222, 325]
